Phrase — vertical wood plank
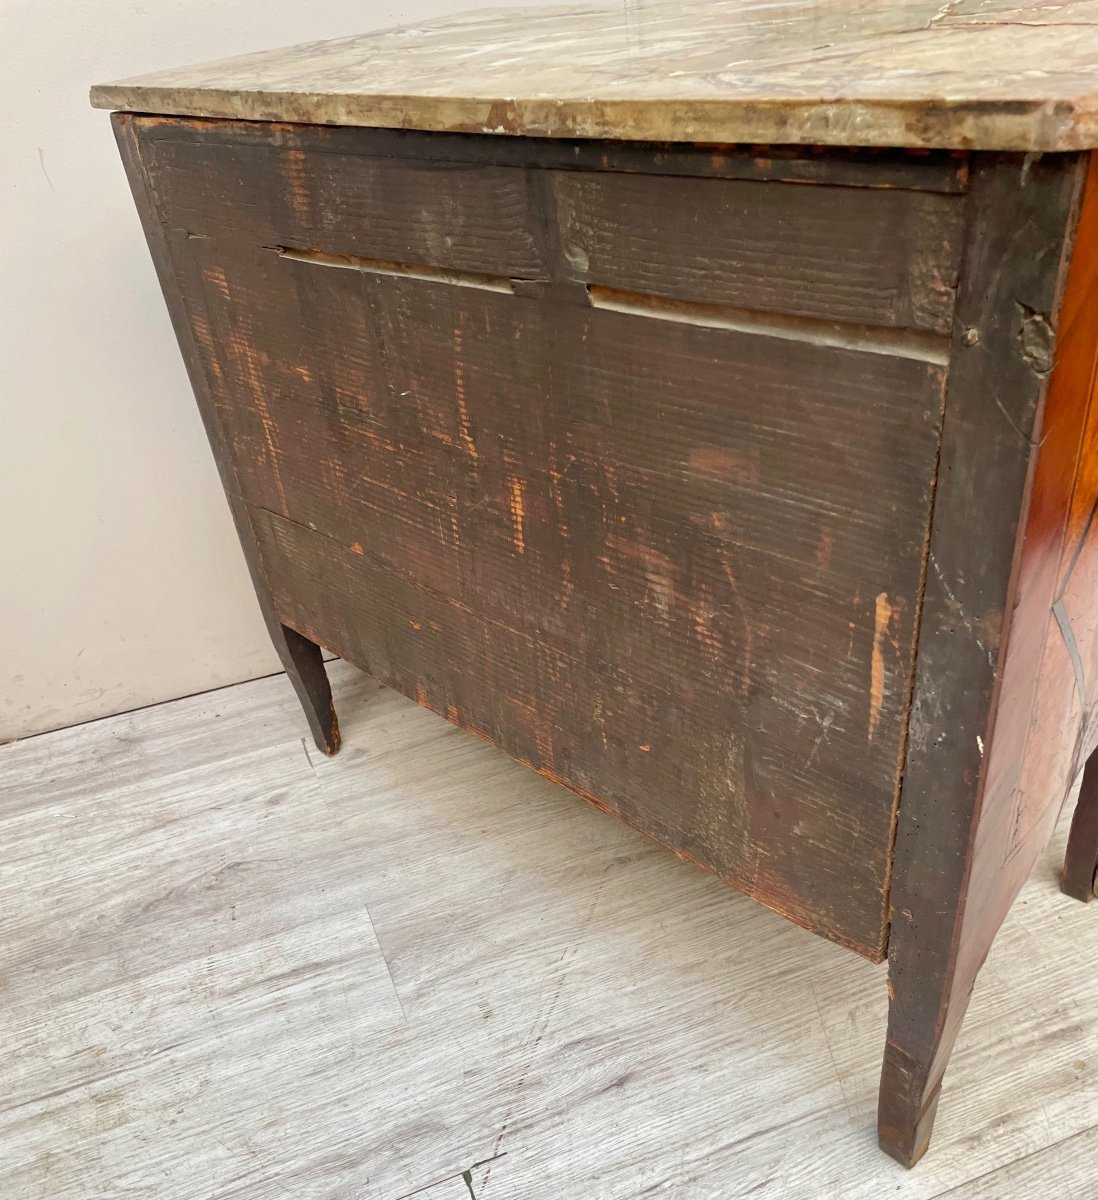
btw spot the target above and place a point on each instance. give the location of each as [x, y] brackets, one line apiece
[1022, 217]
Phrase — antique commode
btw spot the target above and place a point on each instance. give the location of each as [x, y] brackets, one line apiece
[694, 400]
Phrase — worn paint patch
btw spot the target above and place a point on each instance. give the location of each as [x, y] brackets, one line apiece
[657, 568]
[721, 527]
[725, 462]
[297, 180]
[543, 739]
[881, 621]
[518, 513]
[254, 361]
[459, 392]
[215, 276]
[824, 553]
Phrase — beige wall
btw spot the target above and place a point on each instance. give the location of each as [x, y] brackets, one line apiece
[121, 582]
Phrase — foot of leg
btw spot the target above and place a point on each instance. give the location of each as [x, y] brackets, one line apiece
[1081, 861]
[906, 1109]
[305, 667]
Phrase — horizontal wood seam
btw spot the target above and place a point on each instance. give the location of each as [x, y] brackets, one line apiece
[946, 172]
[891, 341]
[846, 335]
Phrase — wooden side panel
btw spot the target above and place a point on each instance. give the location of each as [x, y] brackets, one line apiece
[1053, 657]
[720, 435]
[670, 562]
[1044, 724]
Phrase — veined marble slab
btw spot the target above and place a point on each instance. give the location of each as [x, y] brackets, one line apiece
[983, 74]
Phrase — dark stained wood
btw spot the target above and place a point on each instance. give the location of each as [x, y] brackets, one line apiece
[589, 725]
[869, 256]
[301, 659]
[470, 217]
[652, 409]
[983, 678]
[872, 256]
[925, 171]
[310, 681]
[1081, 861]
[618, 543]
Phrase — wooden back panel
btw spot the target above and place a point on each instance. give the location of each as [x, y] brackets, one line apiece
[664, 545]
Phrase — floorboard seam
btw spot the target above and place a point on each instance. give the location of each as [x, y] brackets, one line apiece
[1012, 1163]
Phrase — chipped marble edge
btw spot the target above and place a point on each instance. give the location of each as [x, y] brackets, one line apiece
[1048, 126]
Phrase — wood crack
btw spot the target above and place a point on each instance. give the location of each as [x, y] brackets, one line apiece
[1072, 647]
[870, 339]
[376, 266]
[897, 343]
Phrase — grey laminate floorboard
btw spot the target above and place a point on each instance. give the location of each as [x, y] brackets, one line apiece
[235, 970]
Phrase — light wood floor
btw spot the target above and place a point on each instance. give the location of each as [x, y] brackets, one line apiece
[234, 970]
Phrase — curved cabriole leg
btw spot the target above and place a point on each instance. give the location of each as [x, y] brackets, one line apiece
[1081, 861]
[928, 992]
[304, 665]
[908, 1100]
[928, 997]
[906, 1109]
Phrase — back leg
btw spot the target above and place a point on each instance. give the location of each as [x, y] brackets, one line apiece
[305, 666]
[1081, 861]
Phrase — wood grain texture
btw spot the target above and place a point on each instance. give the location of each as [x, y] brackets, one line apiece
[1081, 860]
[624, 746]
[871, 256]
[229, 977]
[984, 74]
[1072, 658]
[858, 166]
[669, 562]
[398, 210]
[992, 713]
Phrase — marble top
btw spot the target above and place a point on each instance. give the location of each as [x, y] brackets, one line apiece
[982, 74]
